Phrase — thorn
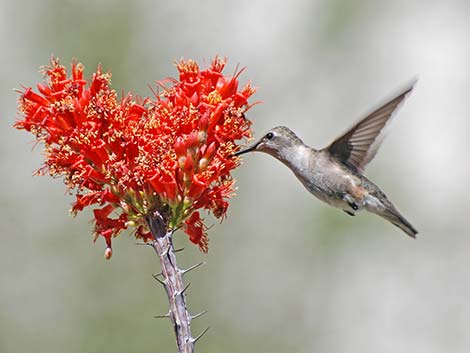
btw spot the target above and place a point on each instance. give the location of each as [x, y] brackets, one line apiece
[193, 267]
[185, 288]
[155, 276]
[166, 316]
[173, 230]
[140, 244]
[194, 340]
[199, 315]
[178, 250]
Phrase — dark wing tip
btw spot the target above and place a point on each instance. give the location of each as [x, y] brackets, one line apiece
[408, 87]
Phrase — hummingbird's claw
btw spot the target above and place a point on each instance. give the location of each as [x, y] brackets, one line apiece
[354, 206]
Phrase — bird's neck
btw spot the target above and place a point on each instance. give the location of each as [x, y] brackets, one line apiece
[296, 157]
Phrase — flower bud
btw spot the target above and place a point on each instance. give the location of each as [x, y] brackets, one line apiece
[201, 136]
[180, 148]
[108, 253]
[188, 164]
[210, 150]
[182, 162]
[203, 163]
[44, 89]
[130, 224]
[187, 202]
[192, 140]
[203, 123]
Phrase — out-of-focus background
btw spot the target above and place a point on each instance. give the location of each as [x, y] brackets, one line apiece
[284, 273]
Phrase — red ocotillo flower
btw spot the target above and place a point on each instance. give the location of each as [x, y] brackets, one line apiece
[130, 156]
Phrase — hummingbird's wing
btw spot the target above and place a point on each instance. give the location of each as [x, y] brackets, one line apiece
[357, 146]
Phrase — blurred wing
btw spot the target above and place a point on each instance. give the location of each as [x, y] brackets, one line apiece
[359, 144]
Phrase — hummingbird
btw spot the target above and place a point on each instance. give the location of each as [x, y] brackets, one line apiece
[334, 174]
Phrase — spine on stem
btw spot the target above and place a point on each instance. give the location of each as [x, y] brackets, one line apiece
[171, 277]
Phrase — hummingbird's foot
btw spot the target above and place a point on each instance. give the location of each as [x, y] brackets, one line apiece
[350, 201]
[350, 213]
[354, 206]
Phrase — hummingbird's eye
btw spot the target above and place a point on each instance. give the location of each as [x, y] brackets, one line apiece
[269, 135]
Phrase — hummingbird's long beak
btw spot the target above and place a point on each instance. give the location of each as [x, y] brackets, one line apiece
[248, 149]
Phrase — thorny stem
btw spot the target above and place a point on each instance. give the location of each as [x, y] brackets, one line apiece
[172, 280]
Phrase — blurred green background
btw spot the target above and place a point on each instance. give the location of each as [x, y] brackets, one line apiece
[284, 273]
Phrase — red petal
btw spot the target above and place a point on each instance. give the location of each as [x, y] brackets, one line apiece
[34, 97]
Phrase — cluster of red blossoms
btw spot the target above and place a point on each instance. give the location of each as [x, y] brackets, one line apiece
[132, 155]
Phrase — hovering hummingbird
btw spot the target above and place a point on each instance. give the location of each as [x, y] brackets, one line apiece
[334, 174]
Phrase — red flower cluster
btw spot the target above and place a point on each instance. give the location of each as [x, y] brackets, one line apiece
[134, 155]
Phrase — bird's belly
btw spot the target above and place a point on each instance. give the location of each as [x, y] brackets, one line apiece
[332, 199]
[329, 191]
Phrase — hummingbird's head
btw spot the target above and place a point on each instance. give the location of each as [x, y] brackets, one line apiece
[274, 142]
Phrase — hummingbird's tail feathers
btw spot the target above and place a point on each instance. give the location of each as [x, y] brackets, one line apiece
[404, 225]
[398, 220]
